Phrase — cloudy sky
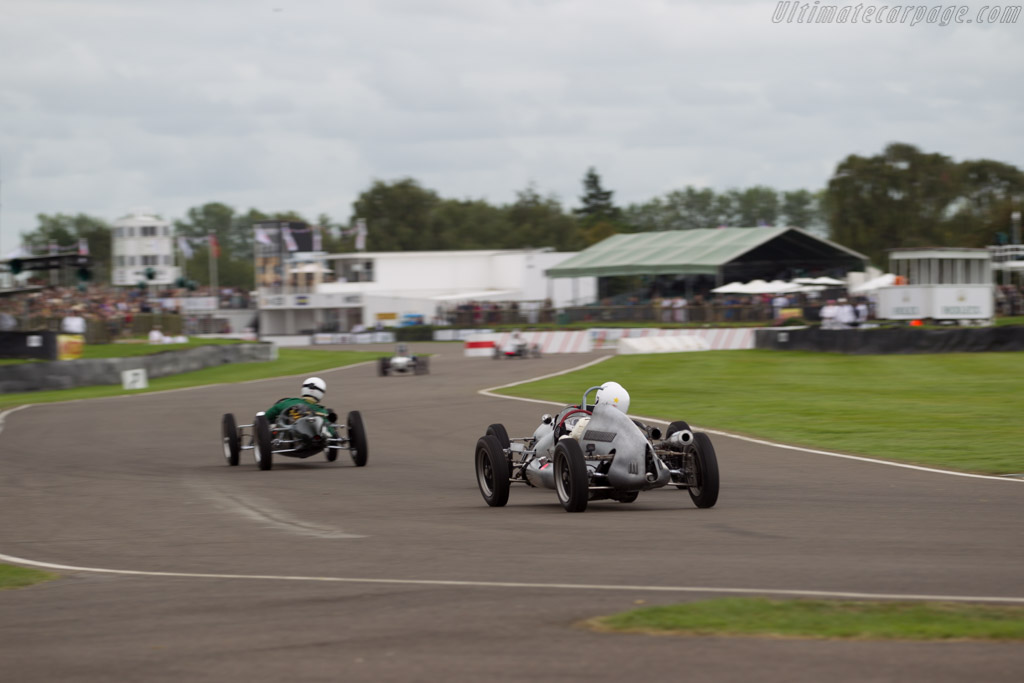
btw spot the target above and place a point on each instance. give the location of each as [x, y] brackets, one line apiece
[111, 105]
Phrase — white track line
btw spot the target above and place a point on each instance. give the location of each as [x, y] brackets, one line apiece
[764, 442]
[540, 586]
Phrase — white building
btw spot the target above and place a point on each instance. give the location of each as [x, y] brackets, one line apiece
[140, 241]
[367, 288]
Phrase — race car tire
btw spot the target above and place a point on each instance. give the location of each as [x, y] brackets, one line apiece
[677, 426]
[571, 480]
[331, 454]
[491, 471]
[261, 443]
[382, 369]
[499, 432]
[229, 431]
[357, 439]
[704, 485]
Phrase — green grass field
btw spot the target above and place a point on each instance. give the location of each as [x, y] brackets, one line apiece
[823, 619]
[19, 577]
[960, 411]
[290, 361]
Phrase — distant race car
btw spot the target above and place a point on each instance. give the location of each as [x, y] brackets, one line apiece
[517, 347]
[299, 432]
[404, 363]
[611, 457]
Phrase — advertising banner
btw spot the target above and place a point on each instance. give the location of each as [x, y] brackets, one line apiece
[69, 346]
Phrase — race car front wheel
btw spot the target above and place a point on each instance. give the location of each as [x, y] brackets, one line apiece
[703, 475]
[492, 471]
[229, 432]
[571, 480]
[357, 439]
[261, 446]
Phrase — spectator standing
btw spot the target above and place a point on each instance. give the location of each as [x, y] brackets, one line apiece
[846, 317]
[862, 311]
[73, 323]
[778, 303]
[679, 309]
[828, 315]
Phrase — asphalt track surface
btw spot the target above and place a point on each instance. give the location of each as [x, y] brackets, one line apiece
[398, 571]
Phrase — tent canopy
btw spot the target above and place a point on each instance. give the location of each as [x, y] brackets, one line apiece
[705, 252]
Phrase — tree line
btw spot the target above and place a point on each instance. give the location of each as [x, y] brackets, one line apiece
[902, 197]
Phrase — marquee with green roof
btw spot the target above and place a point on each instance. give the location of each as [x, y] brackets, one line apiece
[724, 253]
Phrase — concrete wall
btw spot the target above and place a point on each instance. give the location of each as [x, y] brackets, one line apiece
[69, 374]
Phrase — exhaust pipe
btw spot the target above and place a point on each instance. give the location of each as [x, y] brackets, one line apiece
[683, 437]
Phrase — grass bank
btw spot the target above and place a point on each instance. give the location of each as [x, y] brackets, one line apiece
[19, 577]
[290, 361]
[823, 619]
[959, 411]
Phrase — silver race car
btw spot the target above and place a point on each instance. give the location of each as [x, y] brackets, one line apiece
[517, 347]
[404, 363]
[596, 452]
[297, 433]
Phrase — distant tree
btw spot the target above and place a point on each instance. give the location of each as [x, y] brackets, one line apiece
[597, 205]
[907, 198]
[399, 216]
[800, 208]
[537, 221]
[754, 206]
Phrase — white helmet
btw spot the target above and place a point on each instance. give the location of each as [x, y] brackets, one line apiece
[314, 387]
[614, 393]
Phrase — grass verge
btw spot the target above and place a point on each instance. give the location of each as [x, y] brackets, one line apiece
[957, 410]
[19, 577]
[290, 361]
[823, 619]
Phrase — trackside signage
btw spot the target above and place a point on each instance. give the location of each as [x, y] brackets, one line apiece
[939, 302]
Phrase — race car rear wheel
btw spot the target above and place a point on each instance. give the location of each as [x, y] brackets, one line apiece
[703, 476]
[499, 432]
[357, 439]
[677, 426]
[491, 471]
[229, 432]
[382, 368]
[571, 480]
[261, 443]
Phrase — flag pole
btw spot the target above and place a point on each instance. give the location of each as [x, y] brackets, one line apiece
[213, 270]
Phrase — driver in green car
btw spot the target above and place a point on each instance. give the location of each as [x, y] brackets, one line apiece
[313, 390]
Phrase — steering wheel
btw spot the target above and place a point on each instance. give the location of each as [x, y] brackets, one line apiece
[561, 423]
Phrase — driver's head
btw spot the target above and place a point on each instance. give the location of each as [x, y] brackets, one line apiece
[615, 394]
[314, 388]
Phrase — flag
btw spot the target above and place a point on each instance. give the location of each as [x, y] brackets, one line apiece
[361, 234]
[185, 247]
[289, 241]
[318, 244]
[214, 246]
[83, 247]
[263, 238]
